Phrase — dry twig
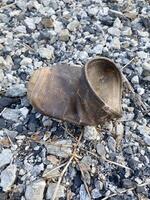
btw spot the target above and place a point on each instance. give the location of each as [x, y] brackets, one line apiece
[127, 64]
[61, 176]
[83, 178]
[74, 155]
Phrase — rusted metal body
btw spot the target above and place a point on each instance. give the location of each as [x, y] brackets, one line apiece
[86, 95]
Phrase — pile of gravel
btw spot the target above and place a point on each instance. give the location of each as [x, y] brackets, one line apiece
[113, 158]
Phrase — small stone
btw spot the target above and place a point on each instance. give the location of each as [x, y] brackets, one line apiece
[119, 129]
[142, 54]
[101, 149]
[24, 111]
[8, 177]
[114, 31]
[61, 148]
[112, 144]
[117, 23]
[115, 44]
[2, 123]
[58, 26]
[26, 61]
[127, 183]
[83, 193]
[140, 91]
[46, 121]
[22, 4]
[30, 23]
[97, 49]
[127, 31]
[96, 194]
[6, 102]
[64, 35]
[147, 139]
[10, 133]
[93, 11]
[90, 133]
[72, 26]
[2, 62]
[143, 33]
[83, 55]
[35, 190]
[47, 53]
[146, 66]
[21, 29]
[135, 80]
[11, 114]
[51, 190]
[5, 157]
[147, 78]
[1, 75]
[17, 90]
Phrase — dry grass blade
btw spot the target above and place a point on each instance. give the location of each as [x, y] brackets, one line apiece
[127, 82]
[109, 161]
[127, 64]
[7, 6]
[60, 178]
[127, 190]
[83, 178]
[115, 163]
[136, 96]
[52, 170]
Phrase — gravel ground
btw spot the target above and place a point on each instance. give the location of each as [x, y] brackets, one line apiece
[110, 161]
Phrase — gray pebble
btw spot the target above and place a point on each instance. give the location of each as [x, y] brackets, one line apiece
[83, 193]
[72, 26]
[101, 149]
[114, 31]
[147, 139]
[30, 23]
[35, 190]
[96, 194]
[51, 189]
[17, 90]
[64, 35]
[90, 133]
[112, 144]
[135, 80]
[47, 53]
[97, 49]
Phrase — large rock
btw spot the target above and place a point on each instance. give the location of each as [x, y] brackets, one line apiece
[35, 190]
[11, 114]
[8, 177]
[5, 157]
